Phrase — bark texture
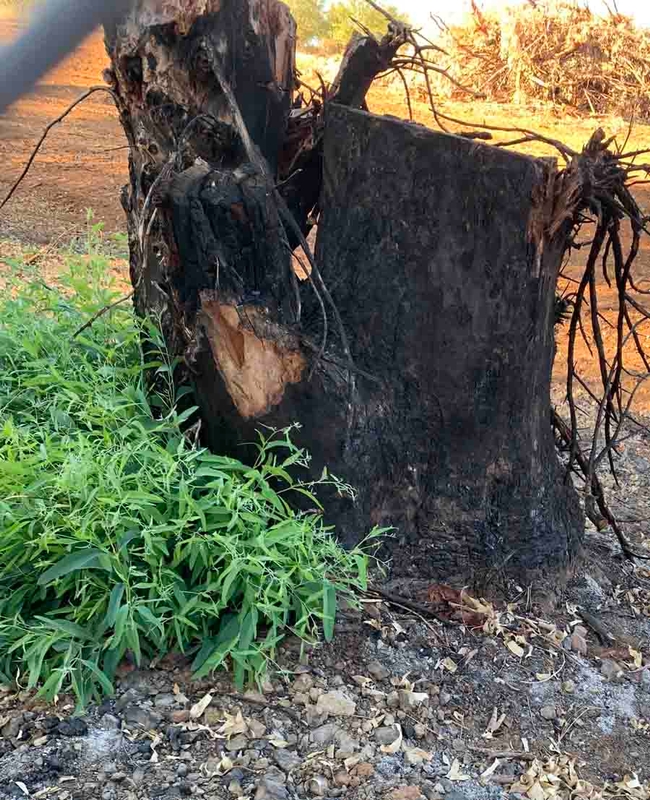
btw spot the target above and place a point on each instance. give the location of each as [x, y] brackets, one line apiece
[418, 355]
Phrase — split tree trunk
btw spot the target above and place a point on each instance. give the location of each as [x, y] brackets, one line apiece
[418, 355]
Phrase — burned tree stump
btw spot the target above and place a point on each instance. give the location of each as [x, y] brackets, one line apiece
[436, 252]
[416, 351]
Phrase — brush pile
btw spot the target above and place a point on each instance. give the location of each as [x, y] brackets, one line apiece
[553, 50]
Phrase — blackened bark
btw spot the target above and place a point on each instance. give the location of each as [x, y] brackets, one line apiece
[435, 250]
[420, 364]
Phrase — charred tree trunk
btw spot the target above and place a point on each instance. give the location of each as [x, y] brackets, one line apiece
[417, 355]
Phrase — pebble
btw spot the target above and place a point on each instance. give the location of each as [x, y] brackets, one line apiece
[145, 718]
[392, 701]
[386, 735]
[75, 726]
[256, 697]
[459, 745]
[549, 712]
[410, 701]
[569, 687]
[182, 770]
[611, 669]
[109, 722]
[303, 684]
[378, 671]
[180, 717]
[326, 734]
[237, 743]
[287, 760]
[404, 793]
[318, 786]
[416, 757]
[342, 778]
[235, 788]
[336, 704]
[364, 770]
[256, 729]
[445, 698]
[269, 789]
[579, 644]
[165, 700]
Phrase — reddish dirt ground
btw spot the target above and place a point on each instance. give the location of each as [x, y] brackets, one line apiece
[83, 161]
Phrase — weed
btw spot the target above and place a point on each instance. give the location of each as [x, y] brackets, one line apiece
[117, 534]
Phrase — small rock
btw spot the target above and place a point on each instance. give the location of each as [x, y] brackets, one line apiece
[314, 694]
[119, 777]
[579, 644]
[138, 776]
[75, 726]
[364, 770]
[256, 698]
[182, 770]
[549, 713]
[568, 687]
[459, 745]
[42, 740]
[347, 745]
[386, 736]
[313, 716]
[287, 760]
[145, 718]
[581, 631]
[405, 793]
[410, 701]
[611, 670]
[318, 786]
[336, 704]
[416, 757]
[256, 729]
[180, 717]
[392, 701]
[12, 728]
[110, 722]
[128, 698]
[325, 735]
[237, 743]
[419, 731]
[303, 684]
[235, 788]
[378, 671]
[269, 789]
[337, 681]
[167, 700]
[300, 699]
[342, 779]
[445, 698]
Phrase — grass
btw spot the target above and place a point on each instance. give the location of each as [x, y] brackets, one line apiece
[120, 536]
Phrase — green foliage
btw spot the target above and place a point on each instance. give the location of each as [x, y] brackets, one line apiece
[116, 533]
[342, 16]
[311, 19]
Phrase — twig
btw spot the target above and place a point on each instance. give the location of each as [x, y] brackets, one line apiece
[47, 129]
[404, 602]
[101, 313]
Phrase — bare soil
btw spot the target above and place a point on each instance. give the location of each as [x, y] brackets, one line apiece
[83, 163]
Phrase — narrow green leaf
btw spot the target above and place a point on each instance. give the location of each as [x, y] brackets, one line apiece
[83, 559]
